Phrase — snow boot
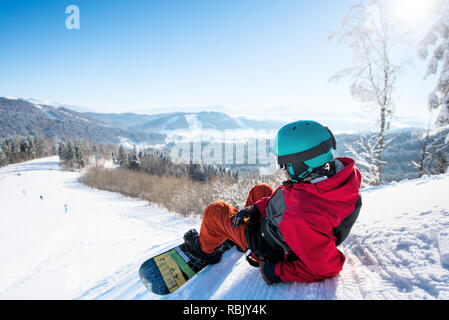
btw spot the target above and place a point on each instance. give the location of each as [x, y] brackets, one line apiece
[228, 244]
[192, 240]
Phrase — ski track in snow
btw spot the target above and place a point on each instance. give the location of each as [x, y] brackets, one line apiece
[398, 248]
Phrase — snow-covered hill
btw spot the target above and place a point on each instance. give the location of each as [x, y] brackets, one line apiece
[398, 249]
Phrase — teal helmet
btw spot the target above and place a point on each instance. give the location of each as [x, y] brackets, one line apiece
[303, 146]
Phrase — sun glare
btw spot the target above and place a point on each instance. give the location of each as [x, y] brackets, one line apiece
[411, 12]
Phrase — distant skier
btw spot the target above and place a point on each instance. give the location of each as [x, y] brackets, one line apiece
[290, 233]
[42, 198]
[65, 208]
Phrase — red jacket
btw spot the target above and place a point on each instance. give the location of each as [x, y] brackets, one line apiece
[312, 214]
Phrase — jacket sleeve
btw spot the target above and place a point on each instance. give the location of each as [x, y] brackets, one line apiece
[262, 205]
[318, 255]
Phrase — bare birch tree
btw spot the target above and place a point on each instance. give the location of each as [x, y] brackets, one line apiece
[372, 36]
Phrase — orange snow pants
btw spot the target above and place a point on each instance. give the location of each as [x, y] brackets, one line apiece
[216, 225]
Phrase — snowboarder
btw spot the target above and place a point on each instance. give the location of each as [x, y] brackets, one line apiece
[290, 233]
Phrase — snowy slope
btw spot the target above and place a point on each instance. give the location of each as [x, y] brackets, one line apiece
[49, 254]
[398, 249]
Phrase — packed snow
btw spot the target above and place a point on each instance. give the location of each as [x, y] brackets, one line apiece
[398, 249]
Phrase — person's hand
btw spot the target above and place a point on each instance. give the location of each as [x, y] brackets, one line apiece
[239, 218]
[261, 265]
[244, 215]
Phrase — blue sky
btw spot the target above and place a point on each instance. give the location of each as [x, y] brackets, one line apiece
[253, 57]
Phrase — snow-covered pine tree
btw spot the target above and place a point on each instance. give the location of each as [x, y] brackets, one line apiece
[438, 39]
[31, 149]
[69, 155]
[61, 148]
[79, 155]
[133, 159]
[2, 157]
[122, 157]
[95, 153]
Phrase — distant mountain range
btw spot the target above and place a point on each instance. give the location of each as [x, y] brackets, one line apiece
[23, 118]
[28, 116]
[167, 123]
[56, 104]
[34, 117]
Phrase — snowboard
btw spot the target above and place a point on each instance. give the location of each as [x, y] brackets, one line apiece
[168, 271]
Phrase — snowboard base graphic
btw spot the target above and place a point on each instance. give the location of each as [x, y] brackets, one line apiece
[168, 271]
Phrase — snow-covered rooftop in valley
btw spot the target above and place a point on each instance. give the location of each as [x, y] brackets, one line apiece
[398, 249]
